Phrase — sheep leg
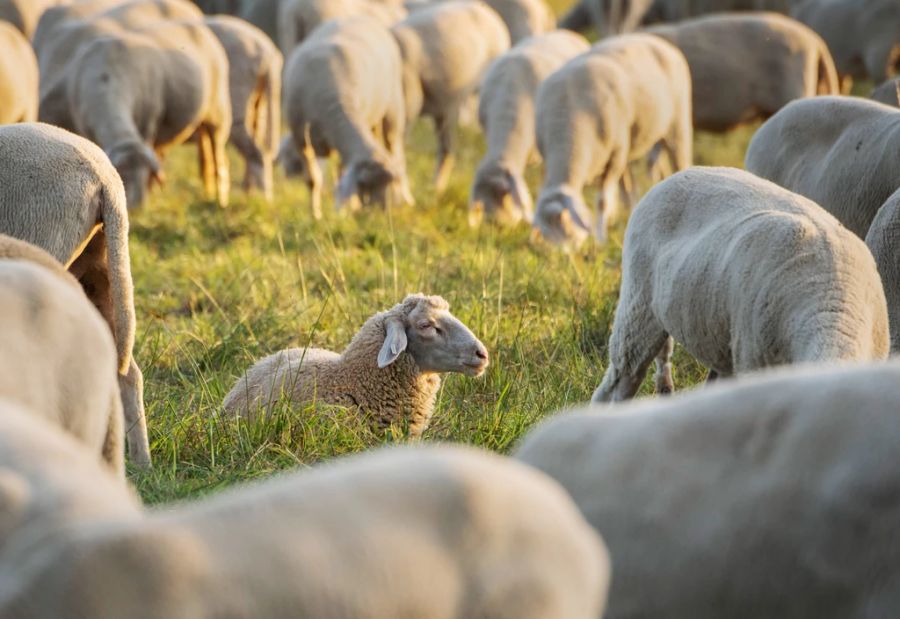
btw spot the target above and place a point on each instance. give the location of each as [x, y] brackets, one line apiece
[446, 130]
[254, 164]
[207, 161]
[222, 177]
[680, 143]
[313, 179]
[131, 387]
[393, 141]
[113, 449]
[663, 378]
[607, 207]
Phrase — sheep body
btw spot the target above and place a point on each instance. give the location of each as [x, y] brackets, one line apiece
[841, 152]
[731, 499]
[76, 212]
[612, 105]
[57, 356]
[18, 77]
[883, 240]
[888, 93]
[781, 281]
[735, 80]
[506, 114]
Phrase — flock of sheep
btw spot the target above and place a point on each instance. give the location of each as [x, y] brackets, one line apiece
[772, 494]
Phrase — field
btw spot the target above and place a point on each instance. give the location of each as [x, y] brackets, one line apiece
[217, 289]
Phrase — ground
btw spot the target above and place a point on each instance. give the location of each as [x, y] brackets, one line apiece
[216, 289]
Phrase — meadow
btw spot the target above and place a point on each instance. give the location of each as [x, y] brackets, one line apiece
[216, 289]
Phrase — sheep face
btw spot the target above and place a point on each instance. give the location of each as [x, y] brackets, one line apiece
[436, 339]
[289, 158]
[366, 181]
[562, 219]
[500, 195]
[138, 167]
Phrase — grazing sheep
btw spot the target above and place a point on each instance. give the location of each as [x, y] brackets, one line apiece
[506, 112]
[389, 372]
[342, 82]
[840, 152]
[883, 240]
[622, 101]
[57, 356]
[76, 212]
[24, 14]
[18, 77]
[770, 496]
[735, 80]
[254, 78]
[863, 35]
[888, 93]
[446, 49]
[298, 18]
[745, 275]
[524, 18]
[129, 91]
[435, 532]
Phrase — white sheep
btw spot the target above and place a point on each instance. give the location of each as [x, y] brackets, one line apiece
[339, 84]
[436, 532]
[131, 92]
[446, 49]
[841, 152]
[506, 113]
[254, 78]
[736, 80]
[769, 496]
[298, 18]
[888, 93]
[389, 372]
[745, 275]
[60, 192]
[883, 240]
[18, 77]
[57, 356]
[622, 101]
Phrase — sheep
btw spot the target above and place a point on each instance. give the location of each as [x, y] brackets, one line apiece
[524, 18]
[298, 18]
[883, 240]
[254, 76]
[130, 90]
[446, 49]
[18, 77]
[341, 82]
[841, 152]
[863, 35]
[60, 192]
[621, 101]
[389, 372]
[888, 93]
[769, 496]
[607, 17]
[57, 356]
[735, 79]
[506, 113]
[24, 14]
[436, 532]
[263, 14]
[781, 281]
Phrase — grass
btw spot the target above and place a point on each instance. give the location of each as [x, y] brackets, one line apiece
[217, 289]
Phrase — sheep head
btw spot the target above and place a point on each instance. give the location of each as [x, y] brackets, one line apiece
[499, 194]
[367, 181]
[289, 158]
[138, 166]
[562, 217]
[436, 339]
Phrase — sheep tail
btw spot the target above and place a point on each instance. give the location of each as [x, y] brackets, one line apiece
[115, 226]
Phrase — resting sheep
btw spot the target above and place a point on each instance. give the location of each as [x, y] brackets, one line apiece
[735, 79]
[406, 532]
[131, 92]
[506, 113]
[254, 82]
[57, 356]
[18, 77]
[745, 275]
[888, 93]
[770, 496]
[620, 102]
[840, 152]
[883, 240]
[446, 49]
[59, 192]
[342, 82]
[389, 372]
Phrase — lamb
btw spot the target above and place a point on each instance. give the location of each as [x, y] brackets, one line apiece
[781, 282]
[730, 500]
[57, 356]
[18, 77]
[254, 78]
[446, 49]
[60, 192]
[888, 93]
[389, 372]
[736, 80]
[129, 91]
[622, 101]
[403, 532]
[354, 67]
[883, 240]
[506, 113]
[298, 18]
[841, 152]
[863, 35]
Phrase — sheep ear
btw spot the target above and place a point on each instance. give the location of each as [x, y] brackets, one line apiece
[394, 342]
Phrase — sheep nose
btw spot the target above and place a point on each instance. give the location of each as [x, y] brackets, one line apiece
[481, 353]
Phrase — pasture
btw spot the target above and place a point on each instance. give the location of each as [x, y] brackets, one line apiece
[216, 289]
